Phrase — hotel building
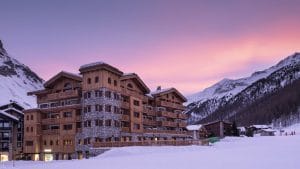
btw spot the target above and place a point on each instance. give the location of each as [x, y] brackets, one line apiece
[81, 115]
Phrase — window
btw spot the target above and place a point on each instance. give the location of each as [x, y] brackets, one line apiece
[27, 129]
[129, 85]
[117, 123]
[78, 125]
[29, 143]
[89, 81]
[31, 117]
[109, 80]
[98, 107]
[116, 96]
[136, 103]
[67, 86]
[87, 95]
[31, 129]
[68, 127]
[87, 109]
[98, 93]
[108, 94]
[51, 142]
[99, 122]
[107, 122]
[108, 108]
[96, 79]
[136, 126]
[45, 142]
[27, 117]
[67, 114]
[136, 114]
[115, 83]
[116, 110]
[87, 123]
[87, 141]
[67, 142]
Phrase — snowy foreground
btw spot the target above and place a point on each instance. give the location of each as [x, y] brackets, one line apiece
[278, 152]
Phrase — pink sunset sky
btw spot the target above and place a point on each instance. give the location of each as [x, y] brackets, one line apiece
[189, 44]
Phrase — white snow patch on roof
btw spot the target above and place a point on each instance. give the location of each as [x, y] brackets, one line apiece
[193, 127]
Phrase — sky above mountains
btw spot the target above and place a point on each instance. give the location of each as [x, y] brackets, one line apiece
[185, 44]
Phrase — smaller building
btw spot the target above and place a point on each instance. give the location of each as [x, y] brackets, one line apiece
[218, 128]
[267, 132]
[257, 129]
[242, 131]
[11, 131]
[198, 131]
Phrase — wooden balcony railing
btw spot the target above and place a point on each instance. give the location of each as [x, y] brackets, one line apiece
[182, 116]
[182, 124]
[165, 131]
[125, 105]
[152, 143]
[170, 104]
[167, 114]
[125, 117]
[63, 95]
[53, 131]
[149, 122]
[167, 123]
[50, 121]
[149, 111]
[125, 129]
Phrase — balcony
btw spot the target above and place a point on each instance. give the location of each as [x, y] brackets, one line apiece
[63, 95]
[167, 123]
[150, 122]
[125, 105]
[182, 116]
[182, 124]
[51, 132]
[50, 121]
[125, 117]
[125, 129]
[149, 111]
[167, 114]
[164, 131]
[129, 92]
[170, 104]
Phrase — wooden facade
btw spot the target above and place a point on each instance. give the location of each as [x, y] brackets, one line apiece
[101, 106]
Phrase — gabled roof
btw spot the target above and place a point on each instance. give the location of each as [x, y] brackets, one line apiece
[62, 74]
[168, 90]
[99, 66]
[8, 115]
[137, 80]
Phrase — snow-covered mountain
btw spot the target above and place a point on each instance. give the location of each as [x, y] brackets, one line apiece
[16, 79]
[204, 103]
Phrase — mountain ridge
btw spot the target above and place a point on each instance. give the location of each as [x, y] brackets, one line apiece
[16, 80]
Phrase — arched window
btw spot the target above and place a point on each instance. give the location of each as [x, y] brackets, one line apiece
[67, 86]
[129, 85]
[89, 80]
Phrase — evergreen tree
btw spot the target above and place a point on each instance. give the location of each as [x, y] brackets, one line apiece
[234, 129]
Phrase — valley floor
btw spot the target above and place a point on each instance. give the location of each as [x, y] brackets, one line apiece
[278, 152]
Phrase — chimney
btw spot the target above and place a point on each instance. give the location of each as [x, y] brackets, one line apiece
[158, 88]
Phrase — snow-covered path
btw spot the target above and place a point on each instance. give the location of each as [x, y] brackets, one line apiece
[279, 152]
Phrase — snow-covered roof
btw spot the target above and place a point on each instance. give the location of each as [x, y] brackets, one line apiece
[92, 64]
[194, 127]
[260, 126]
[11, 108]
[72, 74]
[268, 130]
[8, 115]
[160, 91]
[242, 129]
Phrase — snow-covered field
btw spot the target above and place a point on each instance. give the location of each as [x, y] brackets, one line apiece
[278, 152]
